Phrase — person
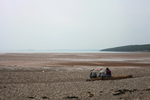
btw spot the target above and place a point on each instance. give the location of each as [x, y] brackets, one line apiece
[108, 72]
[101, 73]
[93, 74]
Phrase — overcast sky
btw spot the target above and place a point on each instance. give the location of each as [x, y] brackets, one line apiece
[73, 24]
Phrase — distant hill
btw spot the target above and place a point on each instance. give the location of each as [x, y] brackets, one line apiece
[130, 48]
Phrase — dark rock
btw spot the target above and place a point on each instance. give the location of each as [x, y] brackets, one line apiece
[134, 90]
[125, 90]
[101, 91]
[45, 97]
[147, 89]
[90, 94]
[88, 80]
[118, 92]
[31, 97]
[71, 97]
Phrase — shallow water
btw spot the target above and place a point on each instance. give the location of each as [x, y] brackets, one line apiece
[69, 61]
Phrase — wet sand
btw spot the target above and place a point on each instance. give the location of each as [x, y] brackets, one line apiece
[61, 76]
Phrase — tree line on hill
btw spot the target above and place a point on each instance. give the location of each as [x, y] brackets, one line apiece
[130, 48]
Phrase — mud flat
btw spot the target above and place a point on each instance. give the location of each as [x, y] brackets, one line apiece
[54, 76]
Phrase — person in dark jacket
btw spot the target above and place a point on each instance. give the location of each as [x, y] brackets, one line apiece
[108, 72]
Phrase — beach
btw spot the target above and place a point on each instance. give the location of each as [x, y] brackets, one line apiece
[62, 76]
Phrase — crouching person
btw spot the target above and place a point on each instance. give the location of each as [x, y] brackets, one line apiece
[93, 74]
[108, 72]
[101, 73]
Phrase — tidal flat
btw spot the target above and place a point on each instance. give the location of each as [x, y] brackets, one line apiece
[62, 76]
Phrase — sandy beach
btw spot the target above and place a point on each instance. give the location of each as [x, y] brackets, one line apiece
[62, 76]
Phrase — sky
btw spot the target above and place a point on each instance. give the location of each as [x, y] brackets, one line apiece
[73, 24]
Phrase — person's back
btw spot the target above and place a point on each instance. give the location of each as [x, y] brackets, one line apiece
[108, 72]
[93, 73]
[101, 73]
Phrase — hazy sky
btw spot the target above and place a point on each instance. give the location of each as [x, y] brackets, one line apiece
[73, 24]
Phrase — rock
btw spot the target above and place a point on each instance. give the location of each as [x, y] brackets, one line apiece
[148, 89]
[101, 91]
[125, 90]
[90, 94]
[71, 97]
[88, 80]
[118, 92]
[31, 97]
[45, 97]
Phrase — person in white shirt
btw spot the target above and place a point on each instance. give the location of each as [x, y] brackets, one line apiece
[101, 73]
